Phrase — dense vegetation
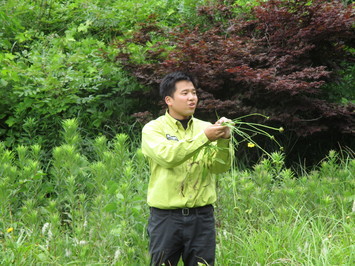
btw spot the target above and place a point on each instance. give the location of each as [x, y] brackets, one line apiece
[57, 61]
[78, 79]
[101, 61]
[274, 60]
[81, 211]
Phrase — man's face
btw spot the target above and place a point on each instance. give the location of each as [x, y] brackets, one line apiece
[184, 101]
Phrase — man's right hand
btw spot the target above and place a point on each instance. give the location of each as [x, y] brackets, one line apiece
[214, 132]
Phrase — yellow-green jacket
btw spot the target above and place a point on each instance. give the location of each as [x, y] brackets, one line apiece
[182, 163]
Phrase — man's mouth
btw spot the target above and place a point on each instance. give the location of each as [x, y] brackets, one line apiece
[192, 104]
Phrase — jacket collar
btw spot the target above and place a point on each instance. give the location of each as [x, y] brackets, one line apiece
[174, 123]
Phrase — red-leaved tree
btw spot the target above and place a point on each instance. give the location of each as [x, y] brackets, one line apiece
[273, 62]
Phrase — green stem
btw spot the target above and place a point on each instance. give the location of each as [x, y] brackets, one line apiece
[246, 136]
[253, 114]
[259, 125]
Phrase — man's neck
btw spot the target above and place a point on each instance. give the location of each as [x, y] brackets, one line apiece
[184, 122]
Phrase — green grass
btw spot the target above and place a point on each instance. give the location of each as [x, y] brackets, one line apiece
[85, 211]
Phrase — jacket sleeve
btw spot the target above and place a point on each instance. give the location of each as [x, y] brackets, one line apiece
[168, 153]
[221, 161]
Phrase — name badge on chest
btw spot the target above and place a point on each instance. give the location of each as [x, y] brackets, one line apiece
[169, 137]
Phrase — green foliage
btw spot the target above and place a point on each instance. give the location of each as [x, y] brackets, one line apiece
[80, 210]
[273, 61]
[245, 6]
[77, 210]
[57, 62]
[342, 90]
[61, 77]
[87, 204]
[306, 220]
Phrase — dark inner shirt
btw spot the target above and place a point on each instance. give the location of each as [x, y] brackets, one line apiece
[184, 122]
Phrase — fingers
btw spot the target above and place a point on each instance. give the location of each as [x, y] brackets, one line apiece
[227, 133]
[222, 120]
[214, 132]
[226, 130]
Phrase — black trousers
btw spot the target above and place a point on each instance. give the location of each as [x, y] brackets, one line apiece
[187, 233]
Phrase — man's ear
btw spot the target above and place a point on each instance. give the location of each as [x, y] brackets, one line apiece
[168, 100]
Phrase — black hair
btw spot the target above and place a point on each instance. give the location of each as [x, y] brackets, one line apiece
[167, 85]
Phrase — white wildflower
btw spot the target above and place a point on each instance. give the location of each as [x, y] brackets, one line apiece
[82, 242]
[67, 253]
[50, 234]
[225, 233]
[45, 227]
[117, 255]
[306, 245]
[324, 250]
[79, 242]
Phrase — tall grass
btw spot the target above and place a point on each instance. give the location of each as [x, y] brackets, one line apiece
[85, 211]
[279, 219]
[79, 211]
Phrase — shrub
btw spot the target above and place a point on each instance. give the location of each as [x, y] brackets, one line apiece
[73, 209]
[57, 63]
[80, 210]
[273, 62]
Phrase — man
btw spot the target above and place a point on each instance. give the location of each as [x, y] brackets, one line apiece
[183, 154]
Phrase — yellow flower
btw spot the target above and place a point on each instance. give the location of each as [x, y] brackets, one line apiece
[9, 230]
[251, 145]
[281, 129]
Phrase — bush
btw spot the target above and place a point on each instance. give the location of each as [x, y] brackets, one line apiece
[60, 78]
[74, 209]
[274, 61]
[80, 210]
[57, 62]
[341, 89]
